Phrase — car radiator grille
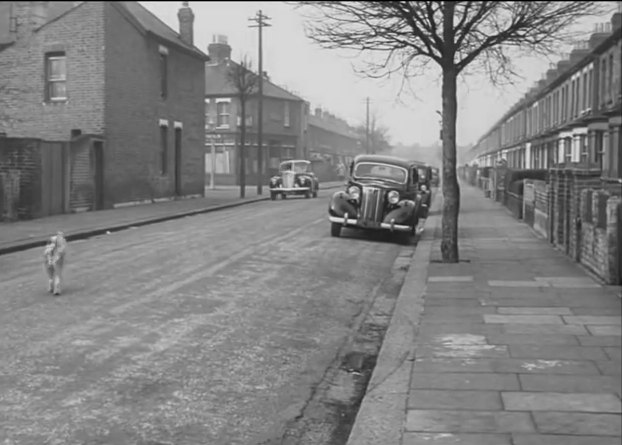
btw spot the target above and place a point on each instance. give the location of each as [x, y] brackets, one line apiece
[288, 180]
[371, 204]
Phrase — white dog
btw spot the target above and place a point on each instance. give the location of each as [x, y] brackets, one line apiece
[54, 256]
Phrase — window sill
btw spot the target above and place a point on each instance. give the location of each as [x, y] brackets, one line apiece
[56, 102]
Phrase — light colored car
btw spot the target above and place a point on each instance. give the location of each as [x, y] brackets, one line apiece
[295, 177]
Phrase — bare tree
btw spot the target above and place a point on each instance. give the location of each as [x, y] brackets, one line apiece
[456, 37]
[245, 82]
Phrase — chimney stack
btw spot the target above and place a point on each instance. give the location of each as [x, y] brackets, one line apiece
[27, 17]
[318, 112]
[580, 50]
[219, 50]
[186, 23]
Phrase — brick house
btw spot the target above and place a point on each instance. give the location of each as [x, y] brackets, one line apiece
[569, 125]
[121, 90]
[284, 126]
[332, 144]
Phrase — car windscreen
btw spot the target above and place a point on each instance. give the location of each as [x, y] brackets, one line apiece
[380, 171]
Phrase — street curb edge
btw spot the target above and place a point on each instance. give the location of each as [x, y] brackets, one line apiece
[381, 416]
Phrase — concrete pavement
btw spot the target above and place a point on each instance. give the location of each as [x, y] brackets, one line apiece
[21, 235]
[514, 345]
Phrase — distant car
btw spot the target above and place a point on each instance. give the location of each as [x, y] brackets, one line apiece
[382, 193]
[426, 174]
[295, 177]
[435, 182]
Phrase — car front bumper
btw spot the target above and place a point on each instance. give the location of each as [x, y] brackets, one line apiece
[291, 189]
[355, 223]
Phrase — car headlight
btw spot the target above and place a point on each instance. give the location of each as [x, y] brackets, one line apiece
[354, 192]
[424, 187]
[393, 197]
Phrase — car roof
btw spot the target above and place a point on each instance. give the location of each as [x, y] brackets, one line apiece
[297, 160]
[386, 159]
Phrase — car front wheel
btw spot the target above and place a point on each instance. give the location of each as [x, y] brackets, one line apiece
[335, 229]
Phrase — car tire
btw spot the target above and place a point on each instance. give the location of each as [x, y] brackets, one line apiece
[335, 229]
[273, 196]
[404, 238]
[307, 195]
[283, 195]
[315, 193]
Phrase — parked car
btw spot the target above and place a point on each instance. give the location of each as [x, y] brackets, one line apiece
[295, 177]
[382, 193]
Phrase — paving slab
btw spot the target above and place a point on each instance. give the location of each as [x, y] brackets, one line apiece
[464, 381]
[506, 310]
[456, 439]
[553, 401]
[533, 339]
[571, 383]
[593, 319]
[546, 439]
[600, 340]
[523, 319]
[505, 365]
[604, 330]
[558, 352]
[609, 367]
[545, 329]
[456, 421]
[578, 423]
[452, 399]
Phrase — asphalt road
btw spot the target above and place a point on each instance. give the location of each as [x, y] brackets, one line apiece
[212, 329]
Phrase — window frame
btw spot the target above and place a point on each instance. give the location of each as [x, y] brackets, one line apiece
[49, 82]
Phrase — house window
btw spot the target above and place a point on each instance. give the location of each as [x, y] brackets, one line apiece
[55, 77]
[603, 79]
[163, 149]
[286, 121]
[610, 80]
[223, 111]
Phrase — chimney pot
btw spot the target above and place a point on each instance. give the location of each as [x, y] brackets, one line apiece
[219, 50]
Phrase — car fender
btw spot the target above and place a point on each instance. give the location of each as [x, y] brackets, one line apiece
[340, 205]
[403, 214]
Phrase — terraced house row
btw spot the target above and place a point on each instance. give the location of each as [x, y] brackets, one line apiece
[102, 105]
[555, 158]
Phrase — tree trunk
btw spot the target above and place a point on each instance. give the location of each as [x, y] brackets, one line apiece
[243, 149]
[451, 190]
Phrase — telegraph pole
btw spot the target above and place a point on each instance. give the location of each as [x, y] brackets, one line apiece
[260, 22]
[367, 128]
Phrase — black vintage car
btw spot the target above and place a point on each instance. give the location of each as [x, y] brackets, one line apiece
[382, 193]
[295, 177]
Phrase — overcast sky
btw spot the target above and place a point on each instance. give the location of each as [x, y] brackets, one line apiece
[325, 77]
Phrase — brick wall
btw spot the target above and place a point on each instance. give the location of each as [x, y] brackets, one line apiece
[599, 234]
[24, 111]
[134, 109]
[578, 181]
[20, 179]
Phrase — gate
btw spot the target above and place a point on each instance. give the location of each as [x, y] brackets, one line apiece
[53, 176]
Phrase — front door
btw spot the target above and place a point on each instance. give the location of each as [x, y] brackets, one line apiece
[178, 190]
[98, 174]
